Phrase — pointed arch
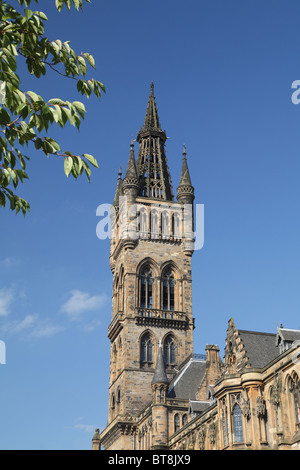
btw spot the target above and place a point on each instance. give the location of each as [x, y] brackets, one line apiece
[148, 261]
[170, 264]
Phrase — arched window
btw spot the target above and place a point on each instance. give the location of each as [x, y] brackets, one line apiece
[154, 224]
[143, 223]
[237, 424]
[113, 401]
[184, 419]
[146, 350]
[176, 422]
[165, 225]
[176, 225]
[146, 282]
[295, 390]
[168, 294]
[170, 352]
[225, 423]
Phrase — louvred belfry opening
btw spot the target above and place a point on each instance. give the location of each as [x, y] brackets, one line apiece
[152, 167]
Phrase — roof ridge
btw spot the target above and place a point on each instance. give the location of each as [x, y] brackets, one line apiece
[257, 332]
[289, 329]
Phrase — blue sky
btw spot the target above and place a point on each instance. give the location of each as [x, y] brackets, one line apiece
[223, 73]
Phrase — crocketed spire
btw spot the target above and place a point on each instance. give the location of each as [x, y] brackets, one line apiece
[152, 166]
[151, 119]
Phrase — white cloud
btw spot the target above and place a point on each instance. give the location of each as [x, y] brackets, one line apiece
[28, 322]
[10, 262]
[81, 302]
[91, 326]
[85, 427]
[45, 328]
[6, 298]
[33, 325]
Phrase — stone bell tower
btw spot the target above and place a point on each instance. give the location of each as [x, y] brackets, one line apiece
[150, 259]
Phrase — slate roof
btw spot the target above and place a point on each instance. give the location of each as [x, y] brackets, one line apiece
[186, 383]
[260, 347]
[197, 407]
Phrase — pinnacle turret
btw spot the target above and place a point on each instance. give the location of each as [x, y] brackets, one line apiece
[131, 177]
[160, 376]
[119, 189]
[185, 188]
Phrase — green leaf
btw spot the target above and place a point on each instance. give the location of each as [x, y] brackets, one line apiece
[90, 59]
[80, 108]
[91, 159]
[68, 165]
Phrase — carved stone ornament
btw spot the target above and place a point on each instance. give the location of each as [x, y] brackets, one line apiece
[260, 407]
[276, 392]
[245, 407]
[191, 442]
[201, 439]
[212, 432]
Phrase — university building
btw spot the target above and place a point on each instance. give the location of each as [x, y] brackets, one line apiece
[162, 396]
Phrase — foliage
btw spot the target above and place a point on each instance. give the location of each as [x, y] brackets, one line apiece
[25, 117]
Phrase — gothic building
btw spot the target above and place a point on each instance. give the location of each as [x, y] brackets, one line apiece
[162, 395]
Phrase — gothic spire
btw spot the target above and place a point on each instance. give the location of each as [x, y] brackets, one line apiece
[119, 189]
[152, 118]
[152, 167]
[160, 376]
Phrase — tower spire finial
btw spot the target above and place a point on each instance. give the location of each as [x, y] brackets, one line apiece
[152, 119]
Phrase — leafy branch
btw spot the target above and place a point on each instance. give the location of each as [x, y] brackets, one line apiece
[24, 115]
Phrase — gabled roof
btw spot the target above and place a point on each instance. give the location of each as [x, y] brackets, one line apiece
[186, 383]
